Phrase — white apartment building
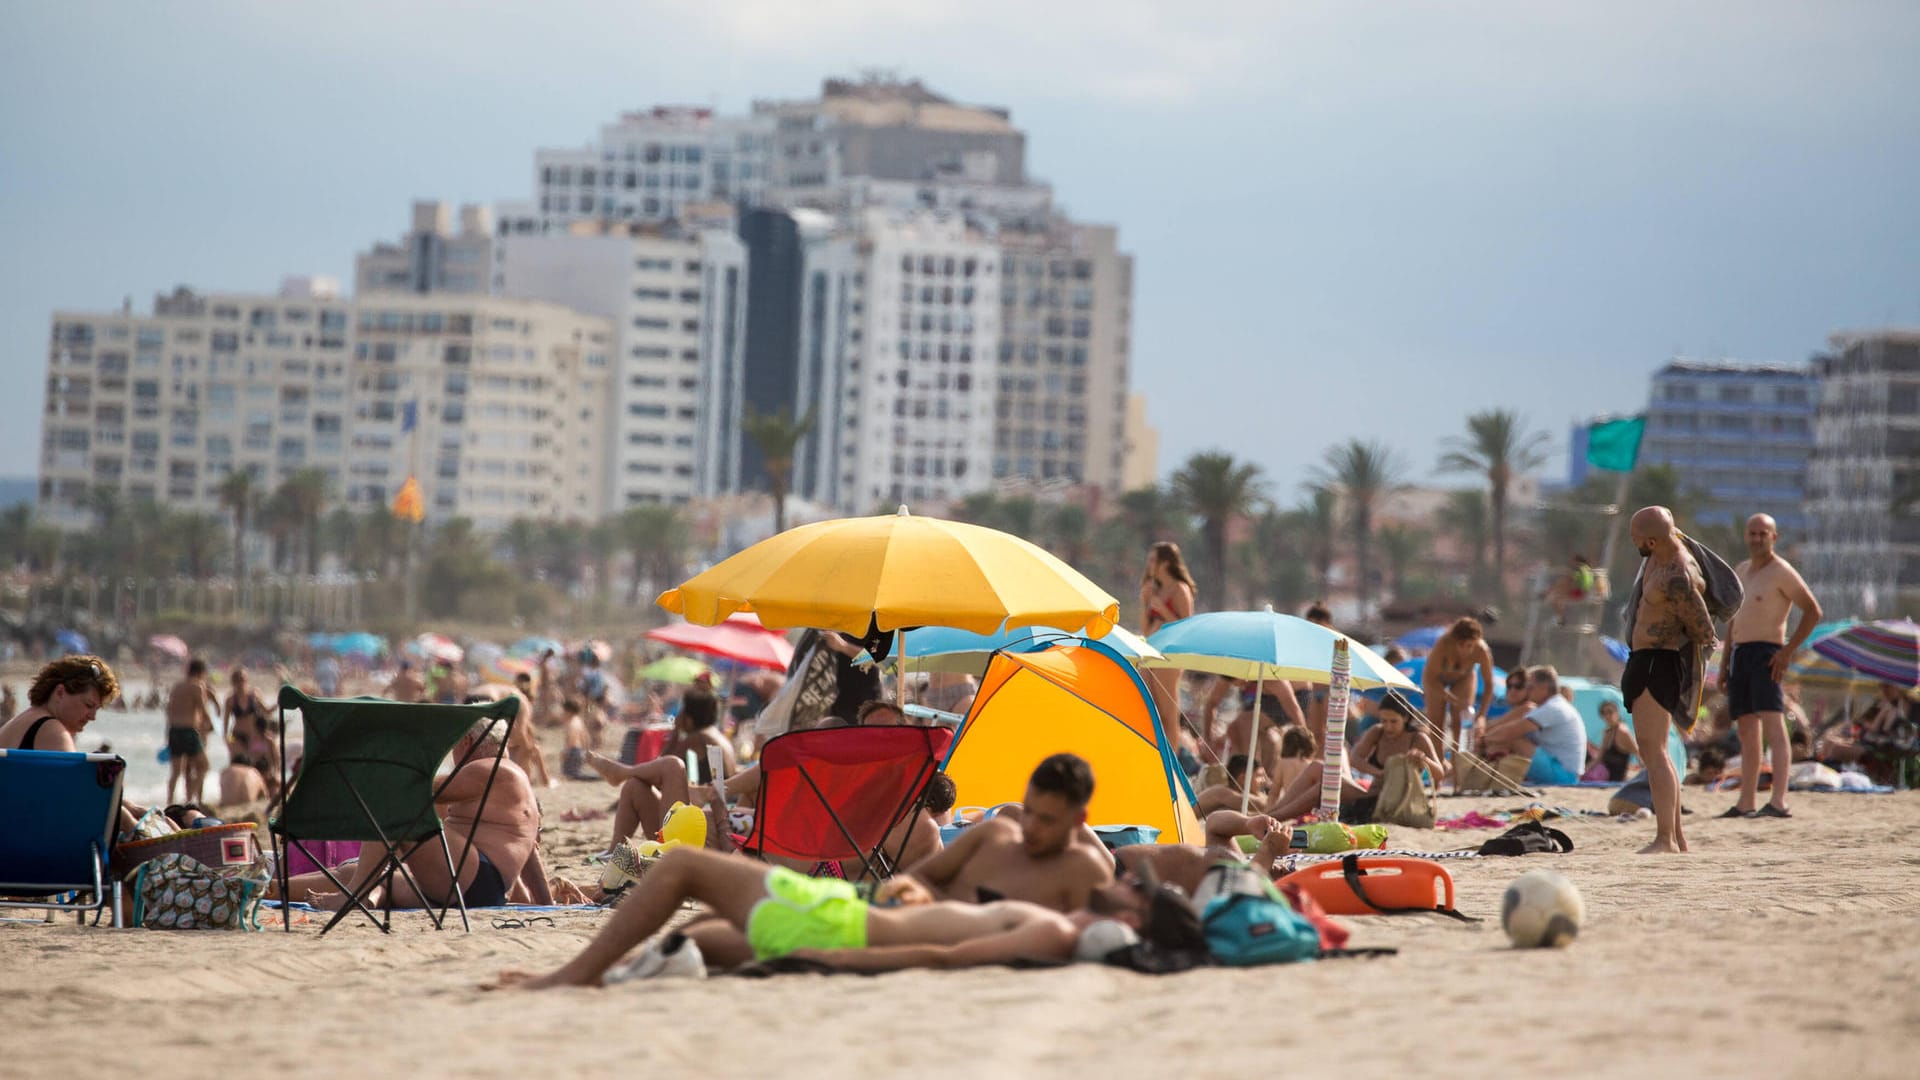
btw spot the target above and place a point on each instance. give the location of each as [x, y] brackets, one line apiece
[500, 407]
[921, 385]
[509, 399]
[1060, 404]
[432, 257]
[832, 311]
[1862, 555]
[652, 165]
[163, 407]
[676, 299]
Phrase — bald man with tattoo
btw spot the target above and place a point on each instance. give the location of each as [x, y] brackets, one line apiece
[1672, 630]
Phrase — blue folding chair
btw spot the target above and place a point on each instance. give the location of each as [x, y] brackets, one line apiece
[65, 807]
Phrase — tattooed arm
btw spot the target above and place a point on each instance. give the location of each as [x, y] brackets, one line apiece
[1687, 604]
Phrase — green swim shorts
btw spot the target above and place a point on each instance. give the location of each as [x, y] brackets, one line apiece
[801, 912]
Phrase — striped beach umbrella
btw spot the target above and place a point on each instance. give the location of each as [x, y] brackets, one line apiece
[1888, 650]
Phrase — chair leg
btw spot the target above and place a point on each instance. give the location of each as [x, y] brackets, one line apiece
[459, 894]
[118, 922]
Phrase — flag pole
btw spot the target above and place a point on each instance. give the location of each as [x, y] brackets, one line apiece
[1619, 518]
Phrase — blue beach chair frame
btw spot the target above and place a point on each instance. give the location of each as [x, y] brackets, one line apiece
[69, 806]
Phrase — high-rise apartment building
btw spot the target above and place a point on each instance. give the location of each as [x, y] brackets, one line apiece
[1143, 447]
[676, 296]
[922, 386]
[432, 257]
[804, 328]
[811, 177]
[162, 407]
[883, 129]
[1739, 432]
[653, 165]
[498, 406]
[1066, 296]
[1863, 482]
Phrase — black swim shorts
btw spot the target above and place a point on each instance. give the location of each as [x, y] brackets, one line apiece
[1660, 672]
[1750, 685]
[184, 742]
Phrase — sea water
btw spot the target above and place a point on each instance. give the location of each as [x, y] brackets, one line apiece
[138, 734]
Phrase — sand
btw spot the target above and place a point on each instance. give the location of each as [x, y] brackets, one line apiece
[1777, 949]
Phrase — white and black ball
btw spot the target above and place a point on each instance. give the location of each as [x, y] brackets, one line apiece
[1542, 909]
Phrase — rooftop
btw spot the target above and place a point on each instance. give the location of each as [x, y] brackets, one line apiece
[1681, 365]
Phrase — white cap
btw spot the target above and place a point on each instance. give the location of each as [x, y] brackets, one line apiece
[1100, 939]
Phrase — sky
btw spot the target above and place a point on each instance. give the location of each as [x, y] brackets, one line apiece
[1348, 219]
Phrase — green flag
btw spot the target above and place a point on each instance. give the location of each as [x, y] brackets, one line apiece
[1615, 444]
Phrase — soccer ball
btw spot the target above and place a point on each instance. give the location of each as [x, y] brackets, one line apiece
[1542, 909]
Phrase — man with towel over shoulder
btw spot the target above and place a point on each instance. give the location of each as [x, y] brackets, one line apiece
[1682, 587]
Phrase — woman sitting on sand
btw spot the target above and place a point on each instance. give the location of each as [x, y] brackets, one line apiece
[1616, 748]
[1392, 737]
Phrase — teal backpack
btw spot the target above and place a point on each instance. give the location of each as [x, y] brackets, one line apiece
[1247, 921]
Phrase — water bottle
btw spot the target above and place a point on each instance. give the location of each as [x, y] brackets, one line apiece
[1466, 733]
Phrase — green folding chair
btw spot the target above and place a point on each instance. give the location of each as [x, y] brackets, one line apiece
[367, 774]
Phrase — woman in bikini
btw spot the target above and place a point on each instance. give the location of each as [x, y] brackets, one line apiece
[1617, 747]
[1390, 738]
[1166, 595]
[1448, 680]
[249, 740]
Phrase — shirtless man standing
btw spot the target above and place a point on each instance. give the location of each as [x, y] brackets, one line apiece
[1756, 657]
[405, 687]
[190, 708]
[1671, 630]
[1039, 859]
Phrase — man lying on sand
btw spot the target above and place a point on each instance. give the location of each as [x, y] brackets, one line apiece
[1185, 864]
[784, 914]
[505, 850]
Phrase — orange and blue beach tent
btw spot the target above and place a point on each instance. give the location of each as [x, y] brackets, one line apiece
[1083, 698]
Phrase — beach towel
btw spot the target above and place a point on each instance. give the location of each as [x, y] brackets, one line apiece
[1287, 864]
[1723, 593]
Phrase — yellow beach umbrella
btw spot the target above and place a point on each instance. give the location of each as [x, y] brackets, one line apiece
[886, 573]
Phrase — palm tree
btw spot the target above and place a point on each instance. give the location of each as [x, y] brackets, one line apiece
[1400, 545]
[279, 518]
[1465, 515]
[658, 537]
[1321, 514]
[1497, 446]
[1217, 488]
[1365, 473]
[1272, 561]
[306, 494]
[237, 495]
[1066, 531]
[775, 435]
[199, 537]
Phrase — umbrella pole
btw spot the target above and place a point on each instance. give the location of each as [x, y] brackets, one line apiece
[900, 670]
[1335, 751]
[1253, 741]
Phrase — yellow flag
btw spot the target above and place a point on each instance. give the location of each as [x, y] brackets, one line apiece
[408, 505]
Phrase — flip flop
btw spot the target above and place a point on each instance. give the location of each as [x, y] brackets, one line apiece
[1771, 810]
[1734, 811]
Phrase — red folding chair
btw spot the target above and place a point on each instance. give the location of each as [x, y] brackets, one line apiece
[835, 793]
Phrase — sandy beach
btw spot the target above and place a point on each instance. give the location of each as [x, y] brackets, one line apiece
[1776, 949]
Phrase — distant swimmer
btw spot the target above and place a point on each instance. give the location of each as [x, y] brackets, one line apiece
[1755, 659]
